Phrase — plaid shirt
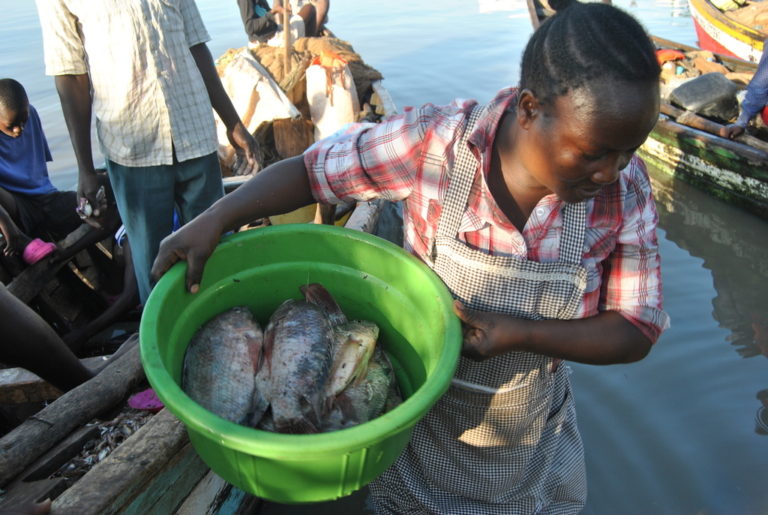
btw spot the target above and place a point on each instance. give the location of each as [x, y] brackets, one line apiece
[406, 157]
[148, 95]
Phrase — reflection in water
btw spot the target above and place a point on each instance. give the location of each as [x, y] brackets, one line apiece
[733, 246]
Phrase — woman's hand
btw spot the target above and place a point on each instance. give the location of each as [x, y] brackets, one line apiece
[194, 243]
[486, 334]
[731, 131]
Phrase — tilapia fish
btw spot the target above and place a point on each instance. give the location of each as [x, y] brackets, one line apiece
[367, 399]
[353, 342]
[298, 343]
[220, 365]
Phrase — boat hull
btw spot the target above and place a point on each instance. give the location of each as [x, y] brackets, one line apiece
[733, 172]
[721, 34]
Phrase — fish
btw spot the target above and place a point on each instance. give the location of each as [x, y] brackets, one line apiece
[221, 363]
[365, 400]
[354, 344]
[298, 344]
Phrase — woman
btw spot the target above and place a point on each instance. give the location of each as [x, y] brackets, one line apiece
[537, 215]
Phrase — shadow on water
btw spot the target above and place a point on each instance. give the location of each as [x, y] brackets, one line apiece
[732, 245]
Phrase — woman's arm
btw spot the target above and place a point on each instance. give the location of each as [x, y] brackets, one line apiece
[602, 339]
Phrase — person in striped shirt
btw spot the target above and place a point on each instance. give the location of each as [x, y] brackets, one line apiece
[537, 215]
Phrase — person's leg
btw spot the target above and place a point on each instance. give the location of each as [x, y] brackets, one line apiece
[144, 198]
[29, 342]
[198, 186]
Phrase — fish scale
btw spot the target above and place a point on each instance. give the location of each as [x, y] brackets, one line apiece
[221, 362]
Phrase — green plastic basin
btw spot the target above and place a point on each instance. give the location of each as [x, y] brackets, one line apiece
[371, 279]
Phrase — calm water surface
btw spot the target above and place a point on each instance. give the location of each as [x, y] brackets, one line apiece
[676, 433]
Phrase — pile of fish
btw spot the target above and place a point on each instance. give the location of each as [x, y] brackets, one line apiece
[311, 370]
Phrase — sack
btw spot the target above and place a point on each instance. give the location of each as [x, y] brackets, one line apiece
[256, 97]
[711, 95]
[331, 94]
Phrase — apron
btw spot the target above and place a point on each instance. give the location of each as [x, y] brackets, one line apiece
[503, 439]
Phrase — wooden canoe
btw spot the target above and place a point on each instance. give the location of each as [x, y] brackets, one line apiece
[154, 470]
[723, 33]
[687, 146]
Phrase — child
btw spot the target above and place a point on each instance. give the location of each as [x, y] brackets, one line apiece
[538, 217]
[30, 205]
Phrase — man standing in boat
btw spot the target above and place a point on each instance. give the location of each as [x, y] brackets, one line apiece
[144, 69]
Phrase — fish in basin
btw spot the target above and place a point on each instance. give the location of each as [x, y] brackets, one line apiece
[220, 366]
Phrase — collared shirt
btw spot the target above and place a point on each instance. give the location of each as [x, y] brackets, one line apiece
[149, 98]
[23, 167]
[407, 157]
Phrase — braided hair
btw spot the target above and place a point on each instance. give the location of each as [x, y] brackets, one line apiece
[12, 95]
[583, 42]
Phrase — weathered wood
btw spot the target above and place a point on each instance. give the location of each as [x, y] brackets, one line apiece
[151, 472]
[365, 215]
[691, 119]
[39, 433]
[213, 495]
[19, 385]
[32, 492]
[30, 282]
[52, 461]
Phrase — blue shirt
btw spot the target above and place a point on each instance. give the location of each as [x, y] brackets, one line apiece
[23, 160]
[757, 91]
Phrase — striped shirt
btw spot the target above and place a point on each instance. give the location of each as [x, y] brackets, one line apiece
[149, 98]
[407, 157]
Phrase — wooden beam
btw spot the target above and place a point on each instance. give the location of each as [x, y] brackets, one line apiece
[39, 433]
[19, 385]
[153, 471]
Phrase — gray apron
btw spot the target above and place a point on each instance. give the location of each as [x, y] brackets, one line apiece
[503, 439]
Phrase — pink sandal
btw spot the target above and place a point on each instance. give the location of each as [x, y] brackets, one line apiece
[36, 250]
[146, 400]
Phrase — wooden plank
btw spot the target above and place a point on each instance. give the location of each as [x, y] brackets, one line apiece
[52, 461]
[293, 137]
[214, 496]
[25, 493]
[206, 497]
[39, 433]
[365, 215]
[18, 385]
[140, 474]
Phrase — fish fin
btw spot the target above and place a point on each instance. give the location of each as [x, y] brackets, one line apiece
[318, 295]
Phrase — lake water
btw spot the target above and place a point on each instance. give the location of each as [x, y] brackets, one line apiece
[674, 434]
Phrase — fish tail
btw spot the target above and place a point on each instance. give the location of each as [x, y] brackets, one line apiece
[318, 295]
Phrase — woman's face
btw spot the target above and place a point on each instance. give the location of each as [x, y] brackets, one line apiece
[579, 143]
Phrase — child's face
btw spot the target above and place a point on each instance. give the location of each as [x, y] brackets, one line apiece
[12, 121]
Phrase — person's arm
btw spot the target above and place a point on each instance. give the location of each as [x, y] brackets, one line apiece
[602, 339]
[256, 27]
[629, 315]
[754, 101]
[279, 188]
[76, 103]
[238, 135]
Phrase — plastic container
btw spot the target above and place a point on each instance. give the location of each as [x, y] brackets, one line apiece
[371, 279]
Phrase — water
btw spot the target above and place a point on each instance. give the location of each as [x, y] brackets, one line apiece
[673, 434]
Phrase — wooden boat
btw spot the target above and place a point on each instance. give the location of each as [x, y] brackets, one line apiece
[139, 464]
[687, 146]
[724, 33]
